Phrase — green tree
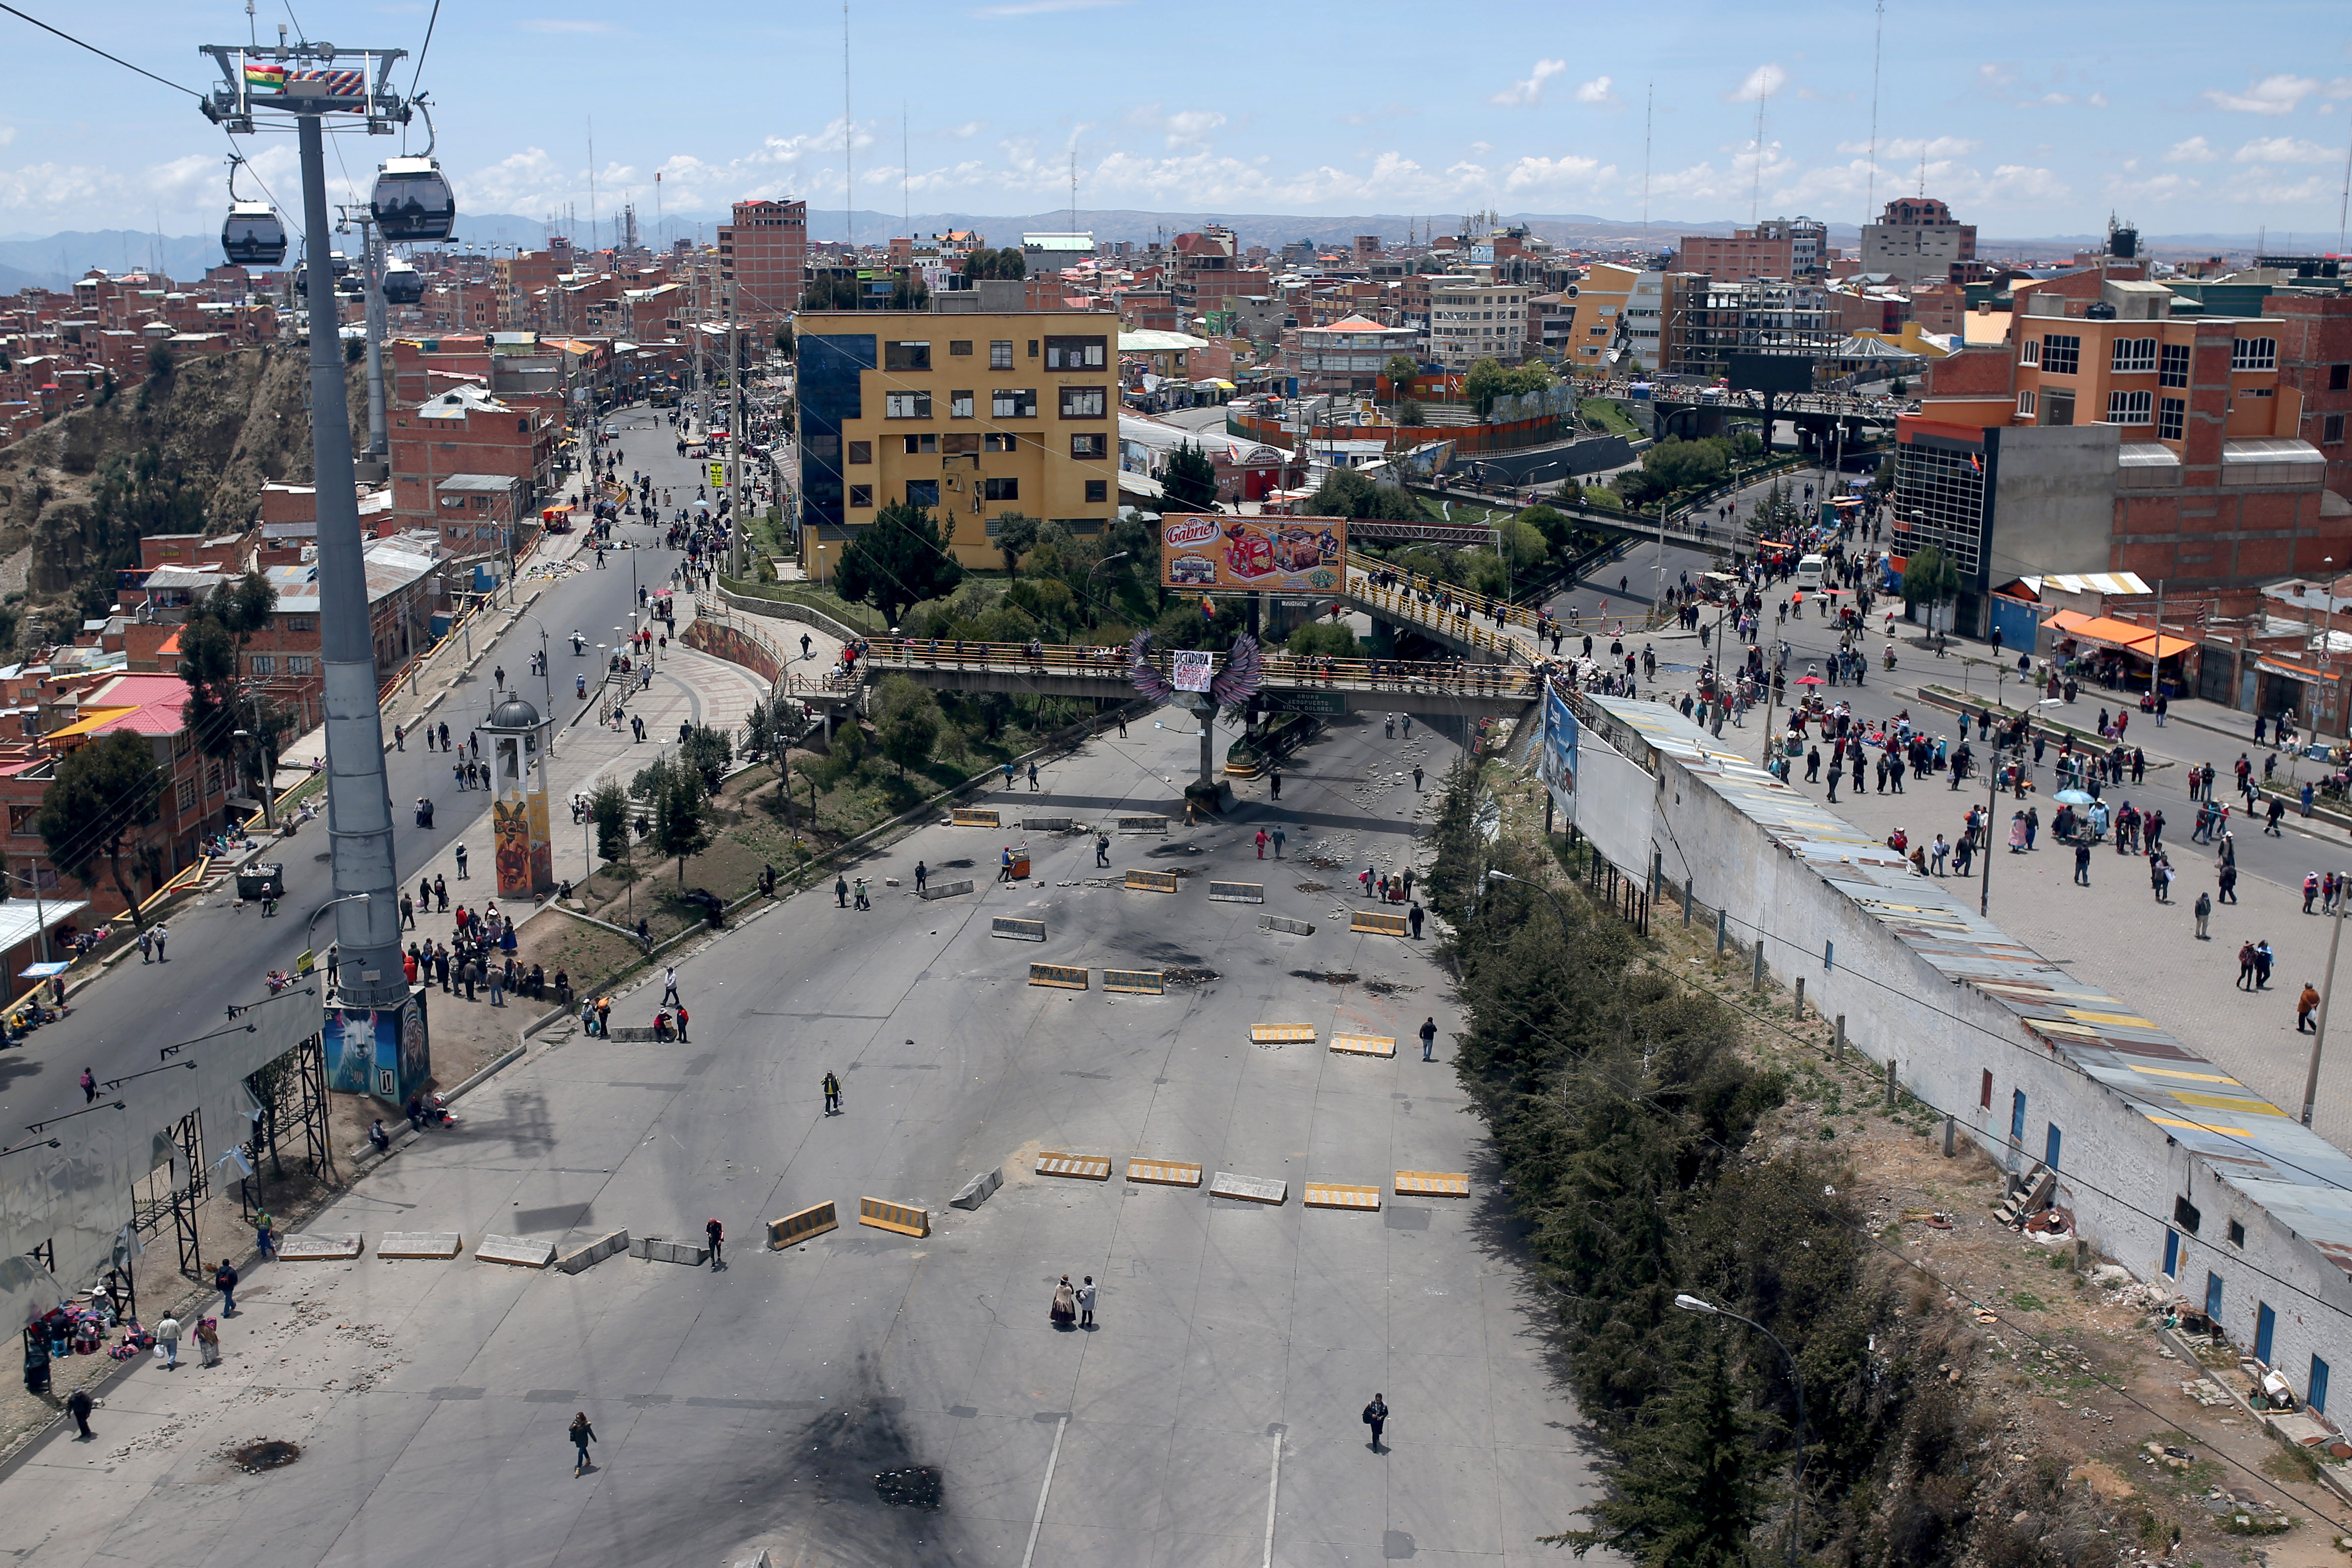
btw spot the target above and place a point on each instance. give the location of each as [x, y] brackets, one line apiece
[1008, 264]
[676, 802]
[1692, 1481]
[1485, 382]
[1399, 372]
[1189, 480]
[1522, 545]
[709, 752]
[1411, 414]
[1324, 639]
[104, 792]
[212, 655]
[900, 558]
[608, 808]
[1930, 577]
[1345, 493]
[159, 364]
[784, 344]
[1016, 535]
[1556, 527]
[907, 722]
[1681, 465]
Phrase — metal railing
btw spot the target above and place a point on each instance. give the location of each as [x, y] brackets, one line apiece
[1282, 670]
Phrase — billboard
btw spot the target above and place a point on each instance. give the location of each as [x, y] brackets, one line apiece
[1282, 555]
[1556, 760]
[1193, 671]
[1772, 373]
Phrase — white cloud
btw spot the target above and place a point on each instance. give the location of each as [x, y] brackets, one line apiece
[2097, 101]
[1762, 82]
[2276, 94]
[1528, 93]
[1912, 148]
[1191, 127]
[1532, 174]
[2285, 150]
[2156, 188]
[1597, 91]
[2196, 150]
[968, 130]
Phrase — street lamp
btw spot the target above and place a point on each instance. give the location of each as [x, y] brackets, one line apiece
[1491, 876]
[312, 923]
[1097, 566]
[1690, 1304]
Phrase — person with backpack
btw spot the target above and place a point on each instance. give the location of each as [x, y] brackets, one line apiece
[718, 1234]
[1376, 1416]
[582, 1433]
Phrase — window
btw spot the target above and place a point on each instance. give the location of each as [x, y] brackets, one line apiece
[964, 445]
[2339, 378]
[262, 664]
[1082, 402]
[861, 495]
[2254, 353]
[959, 346]
[2237, 1233]
[2058, 408]
[999, 354]
[2025, 403]
[1013, 402]
[922, 492]
[1090, 446]
[301, 623]
[918, 445]
[2134, 354]
[1075, 354]
[998, 441]
[2127, 407]
[2171, 418]
[2214, 1296]
[2174, 369]
[905, 356]
[2053, 1142]
[861, 452]
[1001, 490]
[2062, 353]
[22, 818]
[959, 405]
[2315, 1393]
[1032, 348]
[2017, 1116]
[1984, 1091]
[298, 665]
[187, 794]
[2171, 1252]
[2258, 392]
[1097, 491]
[2265, 1330]
[2030, 352]
[2186, 1215]
[906, 405]
[2331, 429]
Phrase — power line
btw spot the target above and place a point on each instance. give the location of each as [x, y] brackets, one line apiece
[428, 49]
[101, 53]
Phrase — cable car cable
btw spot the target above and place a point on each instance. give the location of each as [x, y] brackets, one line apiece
[428, 49]
[94, 49]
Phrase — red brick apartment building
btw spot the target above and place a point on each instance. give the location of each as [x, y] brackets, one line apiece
[466, 431]
[762, 256]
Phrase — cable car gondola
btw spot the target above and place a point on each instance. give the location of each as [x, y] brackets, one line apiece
[343, 270]
[252, 234]
[412, 200]
[403, 283]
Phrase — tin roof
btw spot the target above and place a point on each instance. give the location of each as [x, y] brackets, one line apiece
[2257, 1147]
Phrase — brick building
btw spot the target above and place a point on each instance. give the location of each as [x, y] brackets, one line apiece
[2315, 360]
[465, 430]
[762, 258]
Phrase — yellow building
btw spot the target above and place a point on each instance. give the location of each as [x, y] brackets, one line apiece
[976, 416]
[1602, 296]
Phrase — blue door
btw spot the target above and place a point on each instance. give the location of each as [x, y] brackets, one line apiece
[2017, 1116]
[2171, 1254]
[2316, 1394]
[2213, 1297]
[2265, 1325]
[2050, 1145]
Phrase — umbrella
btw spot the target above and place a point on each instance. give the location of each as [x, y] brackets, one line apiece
[2073, 797]
[1808, 680]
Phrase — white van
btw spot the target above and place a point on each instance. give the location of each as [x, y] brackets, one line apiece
[1809, 570]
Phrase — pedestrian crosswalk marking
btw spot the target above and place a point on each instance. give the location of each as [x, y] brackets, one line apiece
[1332, 1195]
[1085, 1167]
[1364, 1045]
[799, 1226]
[1151, 881]
[903, 1218]
[1164, 1173]
[1432, 1183]
[1376, 920]
[1282, 1034]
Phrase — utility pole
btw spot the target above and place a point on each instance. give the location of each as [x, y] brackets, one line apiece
[734, 436]
[304, 83]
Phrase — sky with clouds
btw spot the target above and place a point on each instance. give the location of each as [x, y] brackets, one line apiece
[2155, 111]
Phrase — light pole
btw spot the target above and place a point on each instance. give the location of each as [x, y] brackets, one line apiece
[32, 879]
[2326, 995]
[1090, 577]
[1690, 1304]
[1491, 876]
[311, 924]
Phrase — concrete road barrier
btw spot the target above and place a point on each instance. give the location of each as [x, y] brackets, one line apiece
[976, 1191]
[1143, 824]
[1138, 982]
[798, 1226]
[581, 1260]
[1279, 923]
[521, 1252]
[946, 889]
[1250, 1189]
[1237, 892]
[1084, 1167]
[965, 817]
[1333, 1194]
[319, 1247]
[1164, 1173]
[653, 1249]
[1046, 824]
[1068, 977]
[1017, 930]
[418, 1244]
[1364, 1045]
[903, 1218]
[1378, 922]
[1151, 881]
[1282, 1034]
[1432, 1183]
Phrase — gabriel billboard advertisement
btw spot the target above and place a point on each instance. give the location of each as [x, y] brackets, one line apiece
[1294, 555]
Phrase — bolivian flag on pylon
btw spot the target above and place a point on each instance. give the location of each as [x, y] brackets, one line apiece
[261, 76]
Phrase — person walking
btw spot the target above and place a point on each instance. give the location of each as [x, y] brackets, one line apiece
[146, 947]
[1033, 778]
[1428, 1039]
[208, 1342]
[78, 1406]
[841, 892]
[581, 1433]
[669, 987]
[167, 1336]
[2245, 966]
[922, 876]
[681, 1025]
[1086, 1294]
[2305, 1006]
[1008, 775]
[858, 898]
[2082, 864]
[461, 863]
[2264, 958]
[718, 1234]
[2228, 882]
[162, 935]
[832, 1095]
[1416, 777]
[1261, 844]
[89, 1086]
[1376, 1416]
[1279, 838]
[1274, 778]
[2204, 910]
[224, 1282]
[264, 1234]
[1064, 1312]
[1413, 917]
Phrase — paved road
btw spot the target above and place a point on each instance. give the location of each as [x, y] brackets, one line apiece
[761, 1405]
[218, 953]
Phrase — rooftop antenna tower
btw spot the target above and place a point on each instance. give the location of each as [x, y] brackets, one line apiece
[2344, 202]
[1755, 196]
[1870, 178]
[591, 182]
[1073, 184]
[906, 175]
[848, 143]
